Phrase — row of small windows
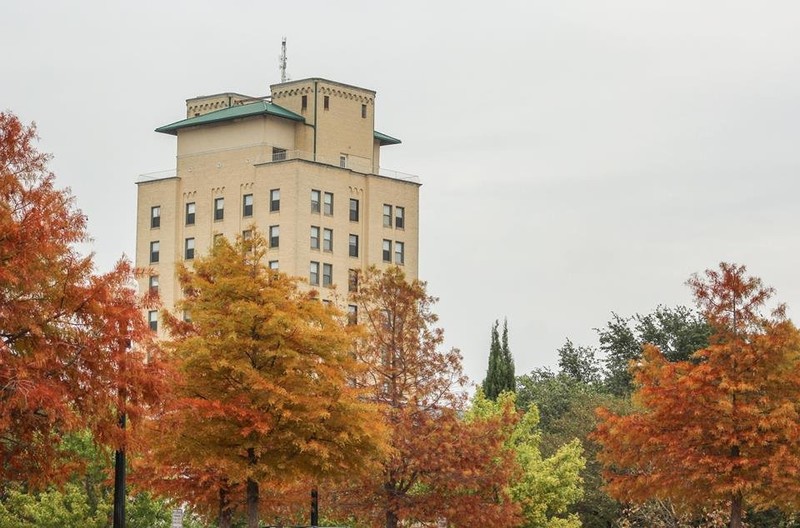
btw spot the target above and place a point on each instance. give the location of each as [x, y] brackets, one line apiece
[320, 202]
[274, 242]
[219, 208]
[152, 316]
[326, 105]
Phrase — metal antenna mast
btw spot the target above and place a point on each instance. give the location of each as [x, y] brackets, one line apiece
[282, 61]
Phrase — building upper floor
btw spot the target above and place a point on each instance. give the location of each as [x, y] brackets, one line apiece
[310, 119]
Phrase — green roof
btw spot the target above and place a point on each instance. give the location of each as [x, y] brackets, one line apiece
[233, 112]
[386, 140]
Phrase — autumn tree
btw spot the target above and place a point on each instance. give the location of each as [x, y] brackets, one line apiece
[724, 427]
[500, 372]
[265, 394]
[65, 330]
[440, 466]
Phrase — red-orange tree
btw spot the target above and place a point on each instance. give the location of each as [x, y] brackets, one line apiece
[64, 329]
[723, 428]
[441, 466]
[265, 396]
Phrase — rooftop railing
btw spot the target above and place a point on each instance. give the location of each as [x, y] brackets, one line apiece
[354, 163]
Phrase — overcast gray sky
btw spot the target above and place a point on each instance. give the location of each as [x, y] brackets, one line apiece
[577, 157]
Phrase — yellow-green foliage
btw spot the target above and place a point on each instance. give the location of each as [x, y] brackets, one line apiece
[52, 509]
[545, 487]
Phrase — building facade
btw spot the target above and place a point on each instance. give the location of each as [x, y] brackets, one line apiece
[302, 165]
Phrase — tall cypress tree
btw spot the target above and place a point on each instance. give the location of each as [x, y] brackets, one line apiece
[500, 372]
[509, 379]
[491, 383]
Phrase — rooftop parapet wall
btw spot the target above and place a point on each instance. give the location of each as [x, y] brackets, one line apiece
[205, 104]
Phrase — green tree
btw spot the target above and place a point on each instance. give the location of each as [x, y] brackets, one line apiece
[678, 332]
[545, 487]
[579, 363]
[85, 500]
[500, 372]
[566, 407]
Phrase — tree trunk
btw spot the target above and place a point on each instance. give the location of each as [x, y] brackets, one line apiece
[225, 512]
[252, 492]
[391, 519]
[252, 503]
[736, 511]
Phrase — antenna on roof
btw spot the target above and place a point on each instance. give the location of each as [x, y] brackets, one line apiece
[282, 61]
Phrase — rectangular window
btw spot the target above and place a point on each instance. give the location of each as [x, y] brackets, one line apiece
[315, 195]
[387, 250]
[153, 284]
[278, 154]
[314, 237]
[353, 210]
[303, 103]
[327, 207]
[363, 111]
[387, 215]
[352, 280]
[400, 217]
[313, 274]
[327, 240]
[399, 253]
[155, 216]
[188, 248]
[343, 161]
[327, 274]
[274, 200]
[154, 251]
[274, 236]
[352, 314]
[152, 320]
[326, 102]
[353, 251]
[190, 213]
[217, 238]
[247, 240]
[273, 265]
[247, 205]
[219, 208]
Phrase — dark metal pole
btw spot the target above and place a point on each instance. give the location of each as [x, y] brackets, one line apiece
[119, 454]
[314, 508]
[119, 482]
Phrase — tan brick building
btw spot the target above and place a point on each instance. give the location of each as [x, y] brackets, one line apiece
[303, 165]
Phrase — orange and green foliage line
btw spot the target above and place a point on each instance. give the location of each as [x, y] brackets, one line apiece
[724, 427]
[64, 329]
[265, 394]
[440, 465]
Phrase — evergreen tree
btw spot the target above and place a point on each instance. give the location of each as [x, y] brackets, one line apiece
[509, 376]
[500, 372]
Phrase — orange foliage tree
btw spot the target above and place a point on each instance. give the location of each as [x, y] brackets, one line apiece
[64, 329]
[723, 428]
[440, 466]
[264, 397]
